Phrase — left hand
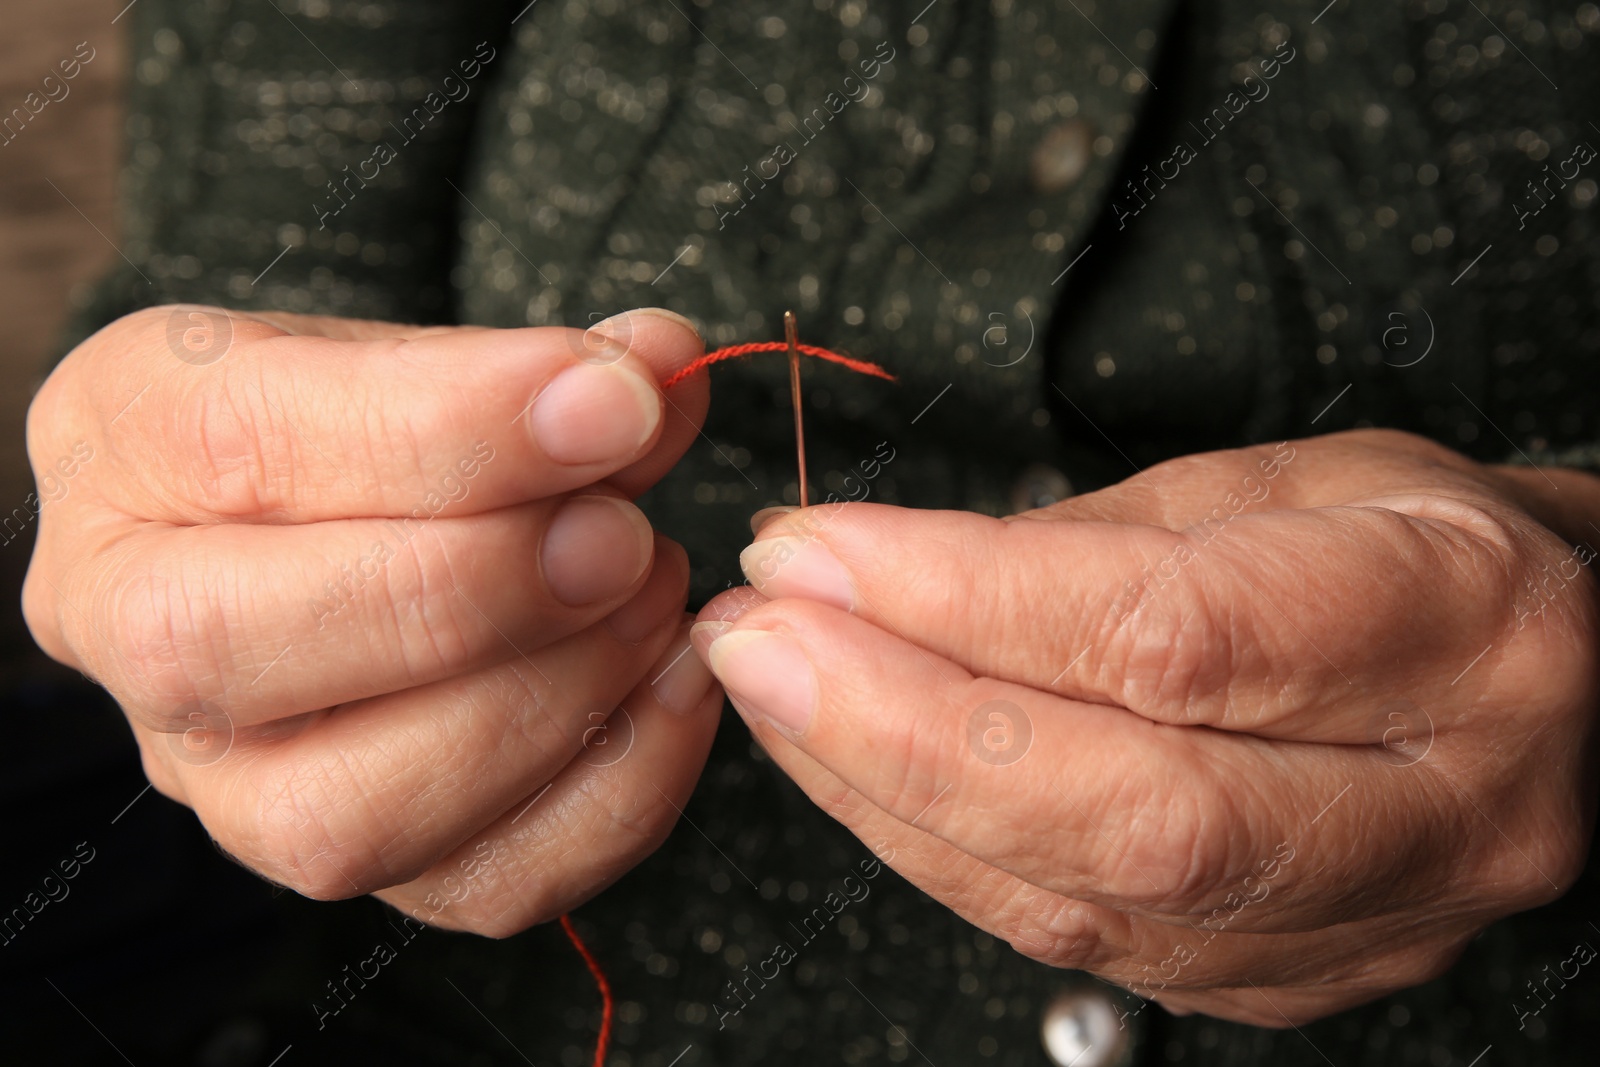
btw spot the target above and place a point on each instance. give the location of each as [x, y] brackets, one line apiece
[1263, 734]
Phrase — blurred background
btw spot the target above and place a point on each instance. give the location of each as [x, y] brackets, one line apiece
[57, 225]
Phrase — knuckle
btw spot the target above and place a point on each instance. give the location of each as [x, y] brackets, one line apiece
[1058, 932]
[908, 776]
[302, 828]
[1429, 532]
[634, 823]
[157, 770]
[1169, 850]
[1554, 861]
[1420, 964]
[1389, 442]
[41, 610]
[523, 727]
[1532, 839]
[219, 438]
[162, 635]
[432, 626]
[839, 802]
[1170, 657]
[482, 895]
[496, 921]
[44, 423]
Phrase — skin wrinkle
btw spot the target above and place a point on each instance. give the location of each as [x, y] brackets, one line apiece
[1144, 827]
[499, 910]
[142, 613]
[439, 616]
[469, 708]
[406, 749]
[1222, 845]
[531, 716]
[1200, 775]
[1168, 665]
[1158, 652]
[1452, 546]
[535, 730]
[413, 435]
[866, 834]
[854, 811]
[276, 827]
[996, 558]
[1062, 936]
[1064, 932]
[220, 637]
[1419, 873]
[907, 780]
[398, 605]
[234, 454]
[563, 823]
[1299, 688]
[372, 814]
[489, 908]
[214, 639]
[415, 810]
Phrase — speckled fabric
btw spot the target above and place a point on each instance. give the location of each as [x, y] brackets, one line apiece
[1086, 236]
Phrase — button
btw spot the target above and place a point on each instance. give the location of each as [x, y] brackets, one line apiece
[1062, 155]
[1080, 1028]
[1038, 486]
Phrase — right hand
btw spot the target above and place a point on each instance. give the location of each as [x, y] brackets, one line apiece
[365, 592]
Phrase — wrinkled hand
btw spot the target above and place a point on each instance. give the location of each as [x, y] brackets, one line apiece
[368, 594]
[1262, 734]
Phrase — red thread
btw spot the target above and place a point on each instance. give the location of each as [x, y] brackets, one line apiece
[599, 980]
[857, 365]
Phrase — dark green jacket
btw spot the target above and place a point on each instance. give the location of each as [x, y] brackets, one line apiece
[1086, 236]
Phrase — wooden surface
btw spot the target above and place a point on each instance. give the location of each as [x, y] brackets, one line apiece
[49, 242]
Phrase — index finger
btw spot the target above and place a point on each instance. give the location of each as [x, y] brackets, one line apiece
[1248, 631]
[377, 421]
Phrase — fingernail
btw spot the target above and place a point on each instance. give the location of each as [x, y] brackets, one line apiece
[768, 674]
[733, 605]
[594, 548]
[701, 634]
[661, 596]
[619, 322]
[594, 413]
[766, 515]
[792, 566]
[681, 681]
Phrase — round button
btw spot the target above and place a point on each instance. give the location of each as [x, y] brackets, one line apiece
[1061, 156]
[1080, 1028]
[1038, 486]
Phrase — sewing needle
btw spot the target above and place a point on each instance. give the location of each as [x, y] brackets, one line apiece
[791, 334]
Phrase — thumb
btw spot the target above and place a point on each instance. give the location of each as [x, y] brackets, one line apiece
[653, 335]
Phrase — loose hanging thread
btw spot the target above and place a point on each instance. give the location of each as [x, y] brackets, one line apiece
[599, 980]
[791, 345]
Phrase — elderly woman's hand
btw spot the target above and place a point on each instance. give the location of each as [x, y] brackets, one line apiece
[1263, 733]
[369, 594]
